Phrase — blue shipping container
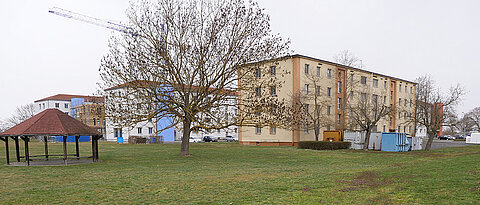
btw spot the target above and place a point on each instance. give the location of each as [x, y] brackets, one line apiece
[72, 139]
[395, 142]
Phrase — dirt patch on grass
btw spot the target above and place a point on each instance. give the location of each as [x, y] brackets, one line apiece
[364, 180]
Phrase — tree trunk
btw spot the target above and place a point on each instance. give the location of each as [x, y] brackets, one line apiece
[317, 132]
[185, 148]
[429, 142]
[367, 139]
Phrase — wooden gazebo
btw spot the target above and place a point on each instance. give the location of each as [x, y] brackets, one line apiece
[50, 122]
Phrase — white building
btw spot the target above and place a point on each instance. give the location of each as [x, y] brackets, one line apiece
[62, 102]
[421, 132]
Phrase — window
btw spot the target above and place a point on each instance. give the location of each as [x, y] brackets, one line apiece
[273, 91]
[411, 89]
[384, 99]
[273, 130]
[258, 130]
[329, 110]
[94, 121]
[339, 118]
[375, 99]
[339, 103]
[375, 83]
[405, 88]
[318, 70]
[329, 92]
[258, 74]
[351, 95]
[328, 127]
[306, 129]
[306, 88]
[150, 130]
[57, 105]
[405, 102]
[363, 97]
[384, 128]
[404, 115]
[306, 69]
[399, 101]
[117, 132]
[329, 73]
[399, 116]
[317, 90]
[363, 80]
[398, 129]
[39, 106]
[66, 105]
[306, 108]
[351, 77]
[385, 84]
[273, 70]
[258, 92]
[98, 121]
[139, 130]
[339, 87]
[400, 88]
[374, 128]
[411, 103]
[391, 95]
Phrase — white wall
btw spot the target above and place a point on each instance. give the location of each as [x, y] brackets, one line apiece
[47, 104]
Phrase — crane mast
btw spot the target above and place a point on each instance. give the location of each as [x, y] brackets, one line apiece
[91, 20]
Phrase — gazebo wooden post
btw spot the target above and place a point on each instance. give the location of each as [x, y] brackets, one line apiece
[27, 152]
[65, 149]
[93, 148]
[76, 147]
[7, 153]
[96, 148]
[45, 139]
[17, 148]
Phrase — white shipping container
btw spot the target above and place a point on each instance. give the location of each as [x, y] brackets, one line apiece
[358, 140]
[473, 139]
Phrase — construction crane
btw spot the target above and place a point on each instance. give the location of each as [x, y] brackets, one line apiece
[92, 20]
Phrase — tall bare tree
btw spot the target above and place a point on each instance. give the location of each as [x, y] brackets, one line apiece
[434, 108]
[186, 59]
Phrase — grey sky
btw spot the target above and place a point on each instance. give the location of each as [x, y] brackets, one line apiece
[42, 54]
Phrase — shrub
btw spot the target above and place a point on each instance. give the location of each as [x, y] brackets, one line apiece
[323, 145]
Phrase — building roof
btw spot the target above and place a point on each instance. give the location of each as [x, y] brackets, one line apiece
[67, 97]
[52, 122]
[340, 65]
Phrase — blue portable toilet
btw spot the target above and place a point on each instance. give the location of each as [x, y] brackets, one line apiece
[119, 140]
[395, 142]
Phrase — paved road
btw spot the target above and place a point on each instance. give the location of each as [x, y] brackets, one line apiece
[438, 144]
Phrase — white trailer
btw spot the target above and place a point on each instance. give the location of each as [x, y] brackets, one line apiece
[474, 138]
[357, 139]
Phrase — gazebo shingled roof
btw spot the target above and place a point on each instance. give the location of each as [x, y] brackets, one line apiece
[52, 122]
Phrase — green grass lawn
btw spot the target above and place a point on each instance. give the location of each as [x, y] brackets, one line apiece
[224, 173]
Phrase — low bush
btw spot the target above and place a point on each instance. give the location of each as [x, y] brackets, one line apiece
[323, 145]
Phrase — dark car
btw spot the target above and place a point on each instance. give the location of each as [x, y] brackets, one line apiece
[208, 139]
[445, 137]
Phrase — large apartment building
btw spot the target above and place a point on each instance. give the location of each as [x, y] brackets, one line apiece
[337, 87]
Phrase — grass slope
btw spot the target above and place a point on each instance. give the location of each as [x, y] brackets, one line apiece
[223, 173]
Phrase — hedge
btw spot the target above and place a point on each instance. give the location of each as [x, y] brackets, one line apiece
[323, 145]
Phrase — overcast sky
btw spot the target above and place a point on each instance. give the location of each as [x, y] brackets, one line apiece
[42, 54]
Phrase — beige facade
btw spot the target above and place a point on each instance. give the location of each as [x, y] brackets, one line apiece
[337, 86]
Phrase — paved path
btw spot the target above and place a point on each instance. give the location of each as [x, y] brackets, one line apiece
[438, 144]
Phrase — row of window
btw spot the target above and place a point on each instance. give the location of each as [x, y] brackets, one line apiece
[273, 130]
[150, 130]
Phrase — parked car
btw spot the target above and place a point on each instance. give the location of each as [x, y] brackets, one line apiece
[445, 137]
[194, 140]
[209, 139]
[451, 137]
[230, 139]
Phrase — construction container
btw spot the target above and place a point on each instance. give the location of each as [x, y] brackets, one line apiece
[395, 142]
[333, 135]
[357, 140]
[416, 143]
[474, 138]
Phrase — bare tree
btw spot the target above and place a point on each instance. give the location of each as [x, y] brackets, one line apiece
[365, 111]
[434, 108]
[474, 117]
[186, 59]
[21, 114]
[311, 105]
[348, 58]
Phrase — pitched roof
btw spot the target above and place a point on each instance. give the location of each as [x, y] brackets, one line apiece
[67, 97]
[50, 122]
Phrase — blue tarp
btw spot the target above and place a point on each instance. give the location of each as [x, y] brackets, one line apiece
[72, 139]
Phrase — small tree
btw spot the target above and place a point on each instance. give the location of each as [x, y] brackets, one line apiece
[311, 106]
[21, 114]
[185, 59]
[434, 108]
